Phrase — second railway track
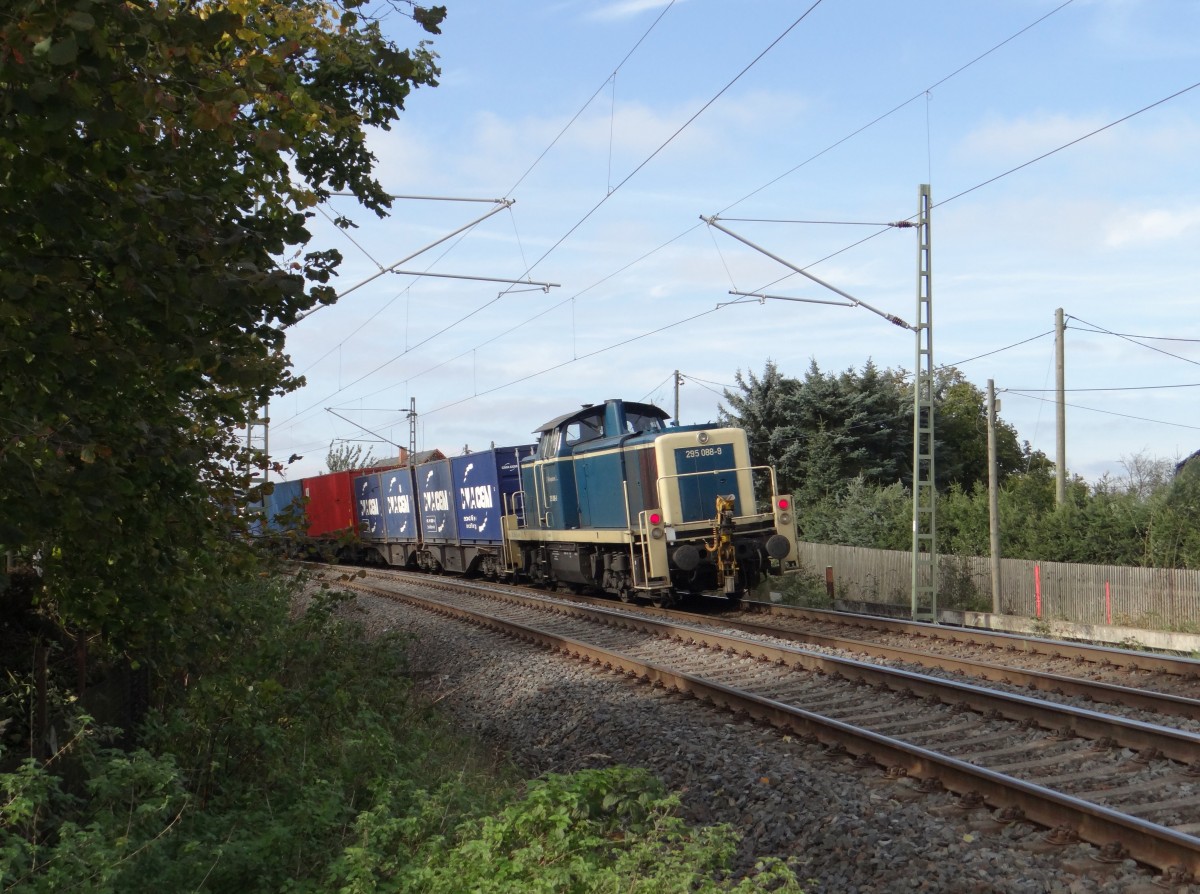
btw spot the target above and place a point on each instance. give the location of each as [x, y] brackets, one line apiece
[1127, 786]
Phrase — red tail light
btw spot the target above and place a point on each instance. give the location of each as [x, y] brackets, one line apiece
[783, 503]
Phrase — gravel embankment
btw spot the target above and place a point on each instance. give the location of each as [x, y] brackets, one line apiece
[856, 830]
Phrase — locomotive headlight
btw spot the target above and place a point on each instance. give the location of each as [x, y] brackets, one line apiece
[702, 437]
[785, 518]
[657, 533]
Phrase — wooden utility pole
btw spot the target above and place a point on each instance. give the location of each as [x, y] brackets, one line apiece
[678, 382]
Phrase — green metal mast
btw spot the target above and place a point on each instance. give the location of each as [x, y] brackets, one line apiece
[924, 546]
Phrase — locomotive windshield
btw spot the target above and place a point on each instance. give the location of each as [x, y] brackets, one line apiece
[636, 422]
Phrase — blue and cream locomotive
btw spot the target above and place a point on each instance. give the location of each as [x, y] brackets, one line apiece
[614, 499]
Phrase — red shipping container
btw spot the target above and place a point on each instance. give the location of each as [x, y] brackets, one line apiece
[330, 506]
[332, 510]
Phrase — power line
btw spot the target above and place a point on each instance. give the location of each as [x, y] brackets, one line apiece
[655, 388]
[1131, 340]
[1122, 388]
[707, 382]
[999, 350]
[1104, 412]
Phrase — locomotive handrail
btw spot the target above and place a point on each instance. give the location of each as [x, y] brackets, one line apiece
[735, 470]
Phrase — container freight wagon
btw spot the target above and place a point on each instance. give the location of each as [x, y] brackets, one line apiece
[461, 503]
[331, 505]
[387, 515]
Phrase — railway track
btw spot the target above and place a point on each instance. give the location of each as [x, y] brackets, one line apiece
[1136, 683]
[1130, 787]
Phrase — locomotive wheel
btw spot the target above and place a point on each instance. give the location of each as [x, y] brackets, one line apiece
[626, 594]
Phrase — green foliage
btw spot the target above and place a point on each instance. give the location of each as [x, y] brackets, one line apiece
[252, 780]
[593, 831]
[54, 841]
[348, 456]
[759, 409]
[298, 760]
[159, 162]
[842, 444]
[802, 588]
[825, 430]
[1174, 533]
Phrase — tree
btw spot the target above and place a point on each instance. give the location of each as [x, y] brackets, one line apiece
[759, 410]
[960, 426]
[347, 456]
[1174, 539]
[160, 161]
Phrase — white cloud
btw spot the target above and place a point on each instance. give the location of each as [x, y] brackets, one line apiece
[1156, 225]
[1025, 138]
[624, 9]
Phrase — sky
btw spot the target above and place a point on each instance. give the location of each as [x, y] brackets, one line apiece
[583, 143]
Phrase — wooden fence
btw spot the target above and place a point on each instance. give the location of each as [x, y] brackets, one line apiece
[1159, 598]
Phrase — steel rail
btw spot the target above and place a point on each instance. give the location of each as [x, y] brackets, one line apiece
[1146, 842]
[1176, 744]
[1109, 693]
[1137, 661]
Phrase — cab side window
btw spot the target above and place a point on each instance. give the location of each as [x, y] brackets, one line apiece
[583, 430]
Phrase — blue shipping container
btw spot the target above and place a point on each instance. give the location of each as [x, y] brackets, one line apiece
[283, 506]
[435, 495]
[399, 506]
[370, 507]
[482, 481]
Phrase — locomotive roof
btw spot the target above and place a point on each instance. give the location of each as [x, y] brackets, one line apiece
[574, 415]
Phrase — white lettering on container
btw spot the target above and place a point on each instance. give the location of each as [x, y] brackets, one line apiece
[479, 497]
[436, 500]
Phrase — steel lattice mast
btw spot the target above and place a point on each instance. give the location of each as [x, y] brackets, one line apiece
[924, 544]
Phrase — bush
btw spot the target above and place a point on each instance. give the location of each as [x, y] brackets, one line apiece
[300, 760]
[609, 830]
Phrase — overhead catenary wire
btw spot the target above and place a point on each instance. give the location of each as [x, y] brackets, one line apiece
[937, 83]
[529, 268]
[879, 118]
[827, 257]
[867, 238]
